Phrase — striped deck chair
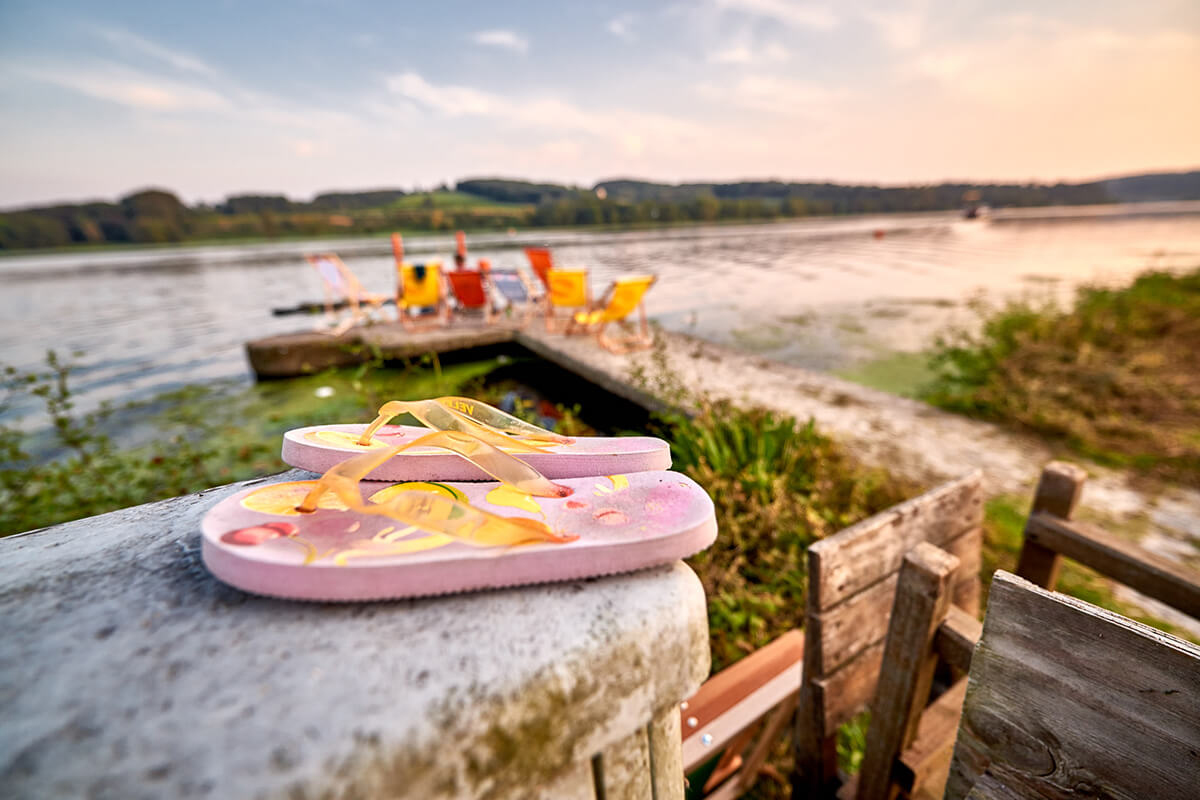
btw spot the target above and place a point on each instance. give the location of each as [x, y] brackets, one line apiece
[342, 288]
[623, 297]
[421, 291]
[513, 286]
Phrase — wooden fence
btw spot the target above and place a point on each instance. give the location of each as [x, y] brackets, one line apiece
[1069, 700]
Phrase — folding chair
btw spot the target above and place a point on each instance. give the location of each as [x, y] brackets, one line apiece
[342, 286]
[622, 298]
[470, 293]
[421, 291]
[514, 288]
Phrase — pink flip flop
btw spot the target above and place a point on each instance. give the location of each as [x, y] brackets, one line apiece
[318, 448]
[365, 541]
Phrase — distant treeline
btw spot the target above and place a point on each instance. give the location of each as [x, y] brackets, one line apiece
[158, 216]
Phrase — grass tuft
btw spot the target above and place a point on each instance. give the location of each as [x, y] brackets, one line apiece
[1116, 377]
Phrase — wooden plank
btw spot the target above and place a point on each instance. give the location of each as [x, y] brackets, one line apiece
[1139, 569]
[988, 788]
[1066, 699]
[1058, 491]
[956, 638]
[814, 750]
[927, 759]
[848, 562]
[716, 733]
[909, 660]
[968, 549]
[849, 690]
[966, 596]
[862, 620]
[851, 627]
[778, 720]
[735, 683]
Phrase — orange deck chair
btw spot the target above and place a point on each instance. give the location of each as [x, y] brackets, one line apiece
[342, 286]
[622, 298]
[469, 290]
[541, 261]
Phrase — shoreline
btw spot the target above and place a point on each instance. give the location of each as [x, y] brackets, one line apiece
[1016, 214]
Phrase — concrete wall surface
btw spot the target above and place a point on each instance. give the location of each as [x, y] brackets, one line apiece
[128, 671]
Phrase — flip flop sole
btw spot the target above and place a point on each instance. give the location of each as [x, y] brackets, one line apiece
[255, 542]
[319, 447]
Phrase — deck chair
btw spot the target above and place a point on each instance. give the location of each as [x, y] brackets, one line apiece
[1065, 699]
[342, 289]
[470, 293]
[514, 288]
[541, 261]
[421, 291]
[730, 725]
[567, 294]
[622, 299]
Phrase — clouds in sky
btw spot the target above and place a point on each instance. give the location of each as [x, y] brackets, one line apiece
[503, 39]
[621, 26]
[922, 90]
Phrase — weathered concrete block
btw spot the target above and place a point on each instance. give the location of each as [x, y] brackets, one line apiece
[127, 671]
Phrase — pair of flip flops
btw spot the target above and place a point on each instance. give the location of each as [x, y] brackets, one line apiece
[477, 499]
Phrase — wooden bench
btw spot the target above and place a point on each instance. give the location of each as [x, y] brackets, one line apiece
[830, 668]
[1065, 699]
[852, 582]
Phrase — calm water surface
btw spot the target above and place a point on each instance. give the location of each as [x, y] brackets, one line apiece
[821, 293]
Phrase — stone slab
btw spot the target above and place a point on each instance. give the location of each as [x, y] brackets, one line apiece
[127, 671]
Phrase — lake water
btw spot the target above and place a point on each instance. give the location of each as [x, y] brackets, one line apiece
[821, 293]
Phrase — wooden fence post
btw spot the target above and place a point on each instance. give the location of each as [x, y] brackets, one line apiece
[1058, 492]
[909, 660]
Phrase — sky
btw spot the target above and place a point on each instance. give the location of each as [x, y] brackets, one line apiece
[227, 97]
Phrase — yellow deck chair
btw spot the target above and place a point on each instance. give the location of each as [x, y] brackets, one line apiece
[421, 290]
[622, 299]
[566, 290]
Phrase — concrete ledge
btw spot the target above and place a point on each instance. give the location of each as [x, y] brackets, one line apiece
[129, 672]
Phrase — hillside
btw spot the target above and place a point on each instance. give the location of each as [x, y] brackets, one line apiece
[157, 215]
[1159, 186]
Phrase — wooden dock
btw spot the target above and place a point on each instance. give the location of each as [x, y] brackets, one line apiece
[295, 354]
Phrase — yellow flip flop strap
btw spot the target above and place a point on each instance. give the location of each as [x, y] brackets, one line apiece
[468, 416]
[440, 514]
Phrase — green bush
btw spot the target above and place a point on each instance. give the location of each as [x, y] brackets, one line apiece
[778, 486]
[1116, 377]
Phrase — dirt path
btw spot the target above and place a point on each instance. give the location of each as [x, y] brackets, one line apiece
[907, 437]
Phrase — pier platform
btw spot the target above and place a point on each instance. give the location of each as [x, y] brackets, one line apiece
[295, 354]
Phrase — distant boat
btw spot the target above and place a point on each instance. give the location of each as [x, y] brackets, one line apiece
[973, 206]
